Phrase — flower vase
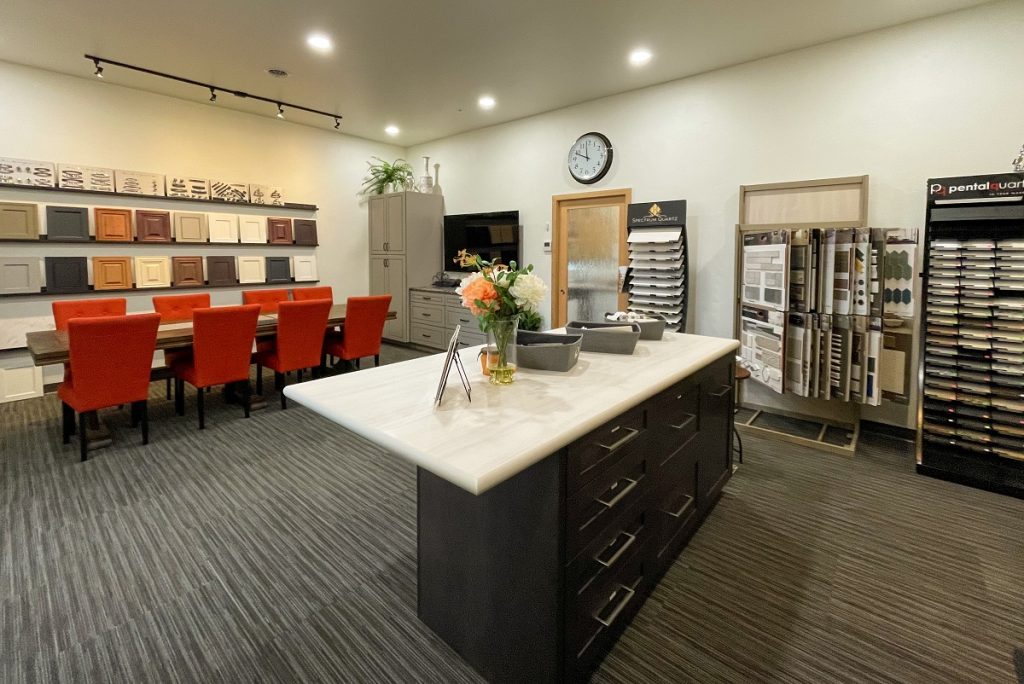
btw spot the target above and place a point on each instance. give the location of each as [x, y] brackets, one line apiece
[501, 334]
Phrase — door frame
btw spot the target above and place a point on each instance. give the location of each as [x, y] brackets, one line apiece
[558, 238]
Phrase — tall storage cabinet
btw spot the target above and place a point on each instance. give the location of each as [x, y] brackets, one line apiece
[405, 249]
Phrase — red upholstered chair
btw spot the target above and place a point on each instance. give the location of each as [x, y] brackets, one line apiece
[299, 343]
[304, 294]
[221, 353]
[178, 309]
[364, 326]
[267, 299]
[110, 360]
[64, 311]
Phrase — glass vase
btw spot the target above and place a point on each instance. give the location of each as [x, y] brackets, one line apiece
[501, 335]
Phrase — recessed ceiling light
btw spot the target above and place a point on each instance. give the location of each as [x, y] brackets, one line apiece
[640, 56]
[392, 130]
[319, 42]
[486, 102]
[277, 73]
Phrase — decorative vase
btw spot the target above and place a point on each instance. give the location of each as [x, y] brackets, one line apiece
[437, 182]
[426, 183]
[501, 335]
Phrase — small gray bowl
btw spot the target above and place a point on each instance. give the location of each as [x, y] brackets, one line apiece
[596, 340]
[547, 351]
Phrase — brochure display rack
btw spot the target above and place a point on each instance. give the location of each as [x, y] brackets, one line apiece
[658, 261]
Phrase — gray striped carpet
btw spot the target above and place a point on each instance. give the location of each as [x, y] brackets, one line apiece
[282, 549]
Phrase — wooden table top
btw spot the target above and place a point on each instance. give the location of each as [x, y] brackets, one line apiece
[49, 347]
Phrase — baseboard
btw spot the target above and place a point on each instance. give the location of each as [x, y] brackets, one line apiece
[894, 431]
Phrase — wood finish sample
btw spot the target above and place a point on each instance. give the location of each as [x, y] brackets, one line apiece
[67, 224]
[113, 225]
[189, 227]
[153, 226]
[188, 271]
[252, 230]
[20, 275]
[152, 272]
[251, 269]
[279, 231]
[67, 275]
[305, 232]
[278, 270]
[112, 273]
[304, 268]
[223, 228]
[220, 271]
[18, 221]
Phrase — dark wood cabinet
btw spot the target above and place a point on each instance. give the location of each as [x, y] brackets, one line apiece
[113, 225]
[66, 275]
[279, 231]
[67, 224]
[188, 271]
[305, 232]
[153, 226]
[278, 270]
[220, 271]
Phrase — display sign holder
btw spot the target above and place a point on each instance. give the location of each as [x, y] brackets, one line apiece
[450, 359]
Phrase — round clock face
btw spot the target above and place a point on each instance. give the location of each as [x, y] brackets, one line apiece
[590, 157]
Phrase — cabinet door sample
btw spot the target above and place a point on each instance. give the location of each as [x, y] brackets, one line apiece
[19, 275]
[252, 230]
[189, 227]
[220, 271]
[188, 271]
[252, 269]
[113, 225]
[111, 273]
[67, 275]
[18, 221]
[279, 231]
[278, 270]
[223, 228]
[305, 232]
[304, 268]
[67, 224]
[152, 272]
[395, 219]
[153, 226]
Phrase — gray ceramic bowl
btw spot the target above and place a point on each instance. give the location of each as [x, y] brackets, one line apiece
[596, 340]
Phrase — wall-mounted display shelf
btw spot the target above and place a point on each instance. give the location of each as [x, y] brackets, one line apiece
[159, 245]
[271, 208]
[291, 282]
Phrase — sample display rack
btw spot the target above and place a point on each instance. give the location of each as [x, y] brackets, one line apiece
[658, 261]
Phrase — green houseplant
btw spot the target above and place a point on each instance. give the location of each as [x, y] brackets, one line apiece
[397, 174]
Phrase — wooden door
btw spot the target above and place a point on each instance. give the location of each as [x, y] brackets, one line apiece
[279, 231]
[67, 224]
[378, 225]
[20, 275]
[220, 271]
[18, 221]
[304, 268]
[223, 228]
[112, 273]
[395, 219]
[252, 269]
[252, 230]
[67, 275]
[188, 271]
[589, 232]
[153, 226]
[152, 272]
[305, 232]
[278, 270]
[113, 225]
[189, 227]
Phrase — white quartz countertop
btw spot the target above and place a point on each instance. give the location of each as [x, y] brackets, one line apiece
[504, 430]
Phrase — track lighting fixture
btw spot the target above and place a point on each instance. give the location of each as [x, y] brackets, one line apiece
[337, 123]
[280, 111]
[213, 95]
[99, 70]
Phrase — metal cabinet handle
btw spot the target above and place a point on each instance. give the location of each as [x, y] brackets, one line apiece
[682, 509]
[630, 539]
[692, 417]
[722, 392]
[618, 497]
[386, 247]
[633, 432]
[423, 313]
[627, 597]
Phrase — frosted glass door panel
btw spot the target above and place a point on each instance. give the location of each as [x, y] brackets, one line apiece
[593, 262]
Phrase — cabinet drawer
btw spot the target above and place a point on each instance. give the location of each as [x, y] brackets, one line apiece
[609, 551]
[468, 338]
[427, 335]
[602, 502]
[594, 452]
[425, 313]
[459, 315]
[673, 513]
[417, 297]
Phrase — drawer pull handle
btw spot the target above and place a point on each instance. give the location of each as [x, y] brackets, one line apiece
[425, 314]
[691, 417]
[618, 497]
[630, 539]
[626, 598]
[631, 433]
[687, 502]
[722, 392]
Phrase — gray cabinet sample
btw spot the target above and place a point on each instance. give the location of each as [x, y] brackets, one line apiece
[220, 271]
[67, 275]
[67, 224]
[278, 270]
[19, 275]
[18, 221]
[305, 231]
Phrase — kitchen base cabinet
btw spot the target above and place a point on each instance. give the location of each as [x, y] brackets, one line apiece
[433, 314]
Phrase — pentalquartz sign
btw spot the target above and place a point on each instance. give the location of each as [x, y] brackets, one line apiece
[976, 187]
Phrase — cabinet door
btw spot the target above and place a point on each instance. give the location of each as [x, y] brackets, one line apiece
[304, 268]
[220, 271]
[715, 459]
[279, 231]
[223, 227]
[278, 270]
[113, 225]
[18, 221]
[19, 275]
[305, 232]
[20, 383]
[152, 272]
[252, 230]
[378, 225]
[67, 275]
[252, 269]
[67, 224]
[188, 271]
[112, 273]
[153, 226]
[387, 276]
[396, 223]
[189, 227]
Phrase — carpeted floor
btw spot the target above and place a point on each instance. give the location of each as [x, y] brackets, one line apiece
[282, 548]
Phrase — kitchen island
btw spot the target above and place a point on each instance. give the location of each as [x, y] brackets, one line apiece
[548, 509]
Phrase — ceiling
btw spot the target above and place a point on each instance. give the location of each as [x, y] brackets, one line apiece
[422, 64]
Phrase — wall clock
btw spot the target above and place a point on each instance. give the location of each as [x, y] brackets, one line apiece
[590, 157]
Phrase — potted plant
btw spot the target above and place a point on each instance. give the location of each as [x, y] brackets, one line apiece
[387, 176]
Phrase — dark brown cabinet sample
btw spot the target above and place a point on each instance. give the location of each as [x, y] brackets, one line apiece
[188, 271]
[67, 224]
[305, 232]
[112, 273]
[67, 275]
[220, 271]
[113, 225]
[279, 231]
[278, 270]
[19, 221]
[153, 226]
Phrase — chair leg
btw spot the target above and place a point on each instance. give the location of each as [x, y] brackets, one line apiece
[83, 443]
[245, 390]
[134, 410]
[68, 421]
[259, 379]
[144, 415]
[355, 362]
[168, 389]
[200, 393]
[179, 396]
[376, 359]
[298, 374]
[278, 381]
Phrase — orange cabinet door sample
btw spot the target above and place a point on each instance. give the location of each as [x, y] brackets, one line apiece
[112, 273]
[188, 272]
[279, 231]
[113, 225]
[153, 226]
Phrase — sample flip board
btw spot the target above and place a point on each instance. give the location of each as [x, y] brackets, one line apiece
[766, 269]
[762, 335]
[656, 280]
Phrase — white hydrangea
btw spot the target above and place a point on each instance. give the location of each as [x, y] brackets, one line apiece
[528, 291]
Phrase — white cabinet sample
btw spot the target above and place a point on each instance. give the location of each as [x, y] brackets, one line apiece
[252, 269]
[20, 383]
[252, 230]
[223, 227]
[304, 268]
[152, 272]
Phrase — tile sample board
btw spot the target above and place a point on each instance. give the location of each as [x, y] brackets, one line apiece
[27, 172]
[252, 230]
[139, 183]
[188, 186]
[252, 269]
[229, 192]
[304, 268]
[19, 221]
[152, 272]
[153, 226]
[188, 271]
[305, 232]
[67, 224]
[766, 269]
[92, 178]
[279, 231]
[265, 194]
[67, 275]
[190, 226]
[112, 273]
[220, 271]
[762, 332]
[657, 266]
[278, 270]
[20, 275]
[113, 225]
[223, 228]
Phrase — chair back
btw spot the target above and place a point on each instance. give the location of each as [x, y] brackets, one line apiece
[300, 333]
[364, 324]
[111, 358]
[222, 343]
[304, 294]
[177, 308]
[267, 299]
[65, 310]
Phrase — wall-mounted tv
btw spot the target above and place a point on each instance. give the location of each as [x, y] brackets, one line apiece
[494, 236]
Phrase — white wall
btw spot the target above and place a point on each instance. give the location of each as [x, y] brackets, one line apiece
[933, 98]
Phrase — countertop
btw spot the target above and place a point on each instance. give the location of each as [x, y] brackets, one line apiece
[504, 430]
[434, 289]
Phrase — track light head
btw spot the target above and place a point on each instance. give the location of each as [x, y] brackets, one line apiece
[99, 70]
[337, 123]
[213, 95]
[280, 111]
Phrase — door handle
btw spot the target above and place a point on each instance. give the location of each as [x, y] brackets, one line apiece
[386, 264]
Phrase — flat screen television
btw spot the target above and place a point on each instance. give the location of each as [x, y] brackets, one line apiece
[495, 236]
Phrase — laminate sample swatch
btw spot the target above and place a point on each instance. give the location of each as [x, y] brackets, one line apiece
[112, 273]
[153, 226]
[18, 221]
[67, 224]
[220, 271]
[252, 269]
[304, 268]
[305, 231]
[189, 227]
[278, 270]
[67, 275]
[152, 272]
[19, 275]
[223, 228]
[113, 225]
[279, 231]
[188, 271]
[252, 230]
